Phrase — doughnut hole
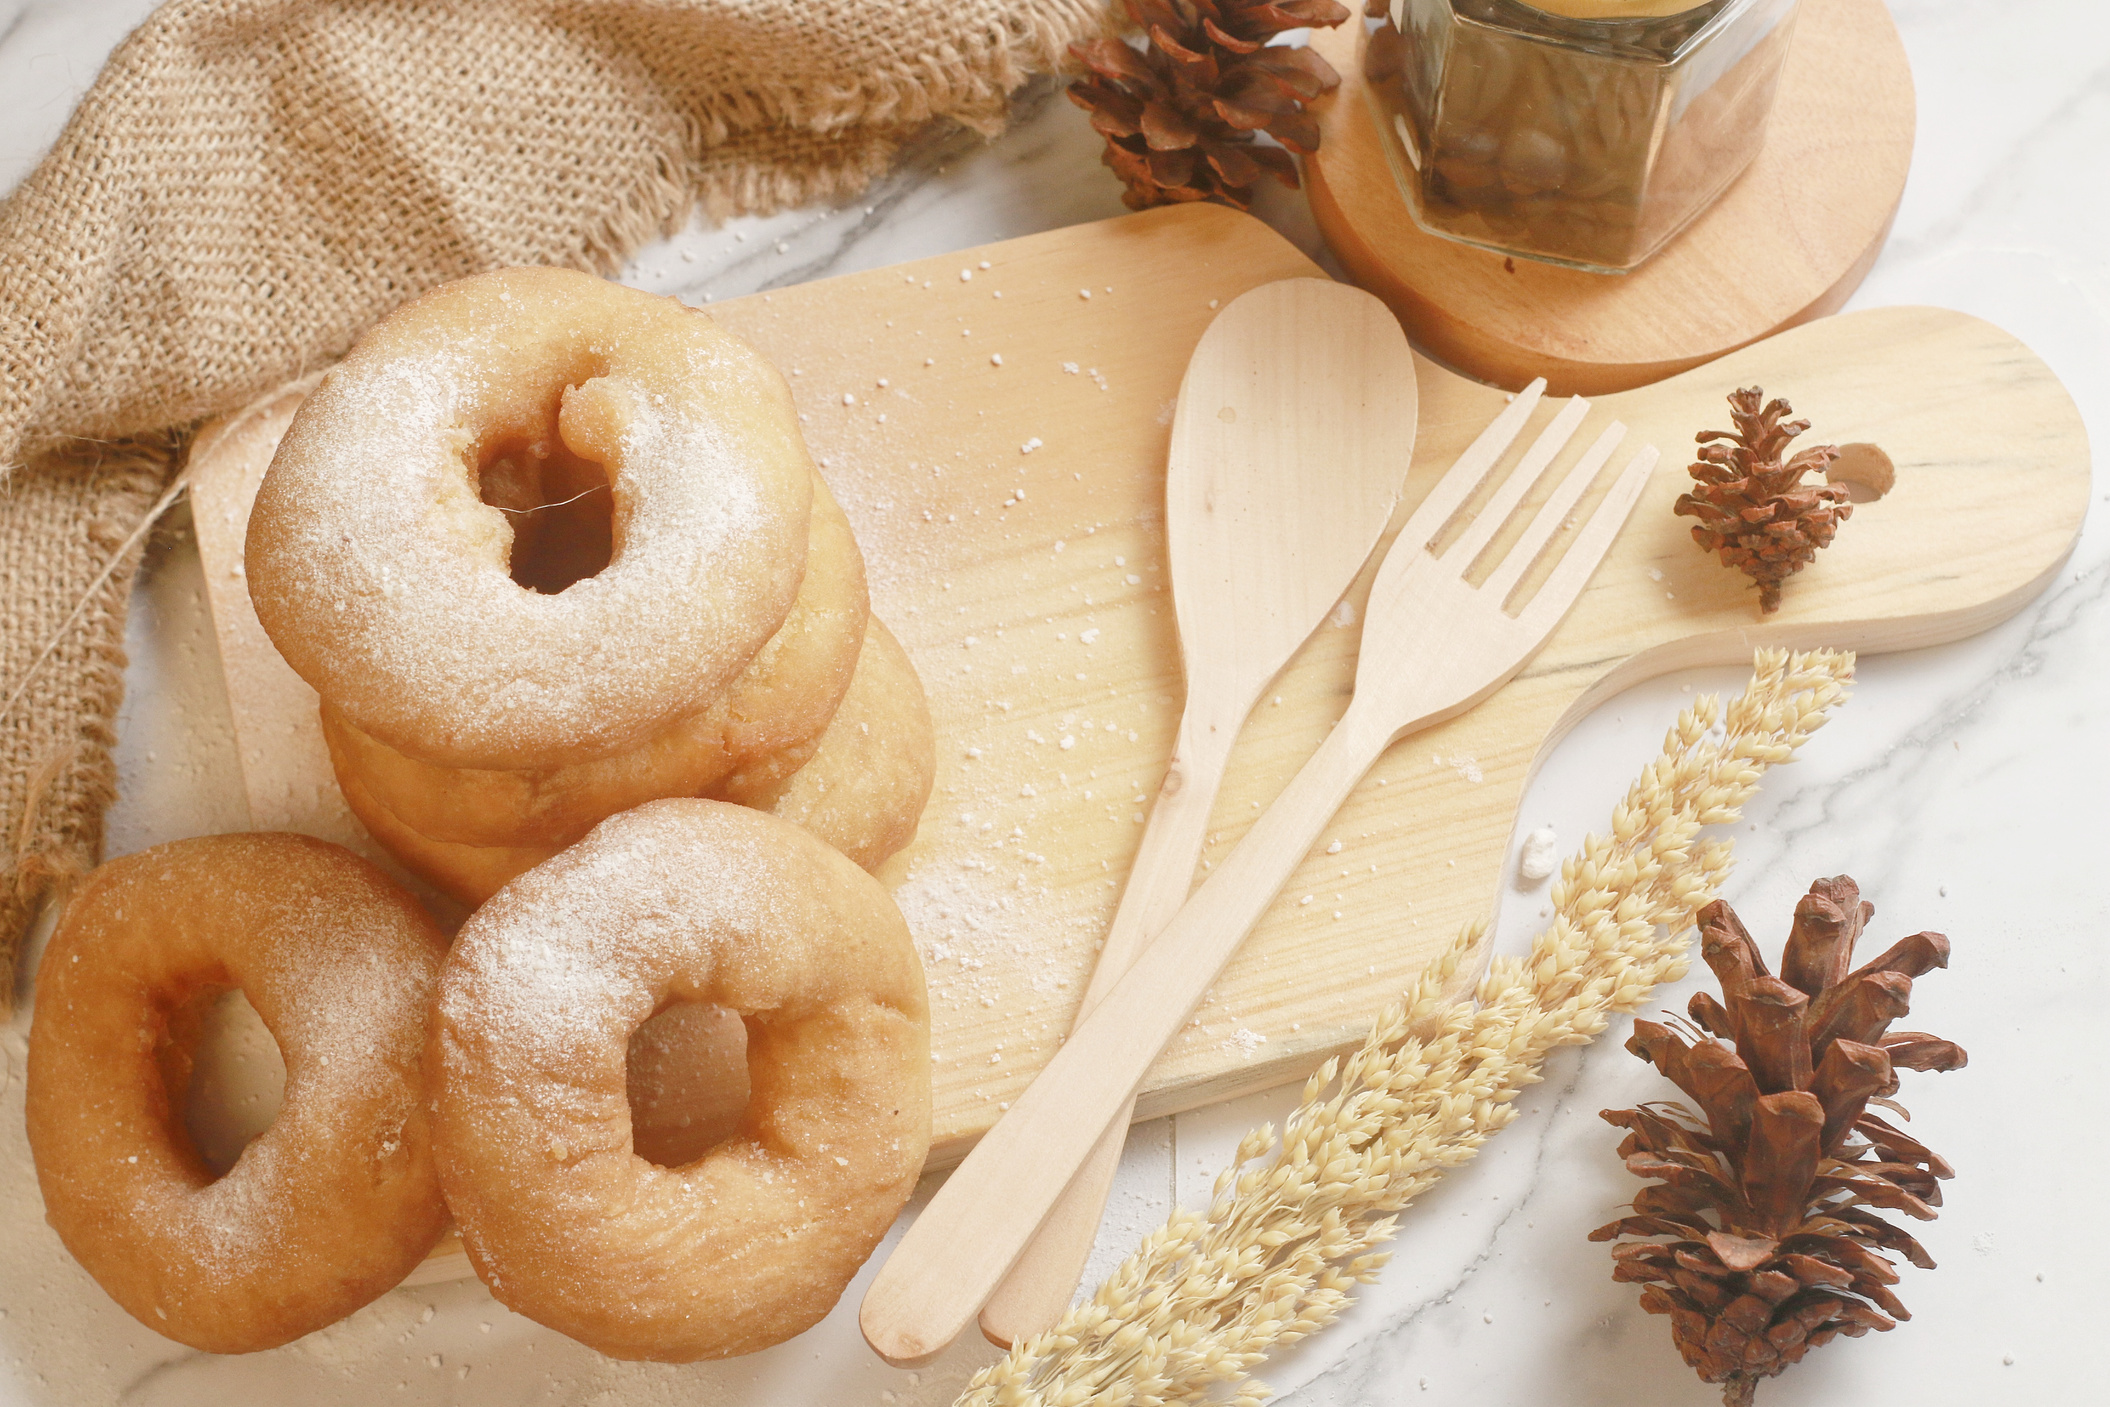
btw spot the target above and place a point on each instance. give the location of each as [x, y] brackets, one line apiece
[559, 505]
[688, 1082]
[224, 1074]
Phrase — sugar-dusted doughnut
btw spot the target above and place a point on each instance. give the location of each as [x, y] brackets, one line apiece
[391, 584]
[754, 1241]
[782, 699]
[864, 784]
[860, 786]
[337, 1200]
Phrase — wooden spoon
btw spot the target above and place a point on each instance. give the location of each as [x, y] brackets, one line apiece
[1296, 420]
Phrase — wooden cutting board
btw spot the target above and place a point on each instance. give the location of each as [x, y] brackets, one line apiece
[998, 438]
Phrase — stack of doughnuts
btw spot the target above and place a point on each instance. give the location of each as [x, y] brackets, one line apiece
[580, 612]
[549, 548]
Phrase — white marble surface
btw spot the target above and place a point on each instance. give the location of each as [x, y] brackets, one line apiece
[1964, 786]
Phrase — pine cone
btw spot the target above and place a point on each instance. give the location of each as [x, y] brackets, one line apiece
[1179, 114]
[1754, 510]
[1762, 1238]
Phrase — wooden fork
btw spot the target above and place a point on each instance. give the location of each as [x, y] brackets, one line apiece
[1434, 644]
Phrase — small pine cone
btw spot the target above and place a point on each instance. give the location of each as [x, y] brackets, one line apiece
[1179, 114]
[1758, 1235]
[1755, 511]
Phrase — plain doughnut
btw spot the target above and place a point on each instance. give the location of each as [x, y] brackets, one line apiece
[861, 786]
[468, 874]
[754, 1241]
[337, 1200]
[784, 698]
[384, 579]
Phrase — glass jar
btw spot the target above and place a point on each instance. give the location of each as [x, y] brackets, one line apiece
[1586, 138]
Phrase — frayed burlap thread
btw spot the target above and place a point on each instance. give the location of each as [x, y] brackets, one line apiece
[250, 183]
[1296, 1221]
[60, 527]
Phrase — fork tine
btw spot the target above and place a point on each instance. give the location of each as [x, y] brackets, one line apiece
[1554, 512]
[1551, 441]
[1464, 476]
[1590, 546]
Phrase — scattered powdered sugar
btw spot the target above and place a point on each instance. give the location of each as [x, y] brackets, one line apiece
[1538, 858]
[1467, 766]
[969, 926]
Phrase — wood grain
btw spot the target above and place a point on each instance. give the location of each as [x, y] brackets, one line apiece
[1789, 241]
[1042, 618]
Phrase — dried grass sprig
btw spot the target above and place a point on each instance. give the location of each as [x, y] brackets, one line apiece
[1288, 1237]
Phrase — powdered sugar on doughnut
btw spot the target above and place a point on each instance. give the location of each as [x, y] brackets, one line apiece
[333, 1202]
[753, 1240]
[348, 1018]
[563, 966]
[383, 577]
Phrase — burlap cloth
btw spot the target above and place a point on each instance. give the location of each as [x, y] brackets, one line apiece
[250, 183]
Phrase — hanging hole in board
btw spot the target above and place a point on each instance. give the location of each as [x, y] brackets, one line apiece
[1864, 471]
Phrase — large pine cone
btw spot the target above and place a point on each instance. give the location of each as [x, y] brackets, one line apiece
[1760, 1238]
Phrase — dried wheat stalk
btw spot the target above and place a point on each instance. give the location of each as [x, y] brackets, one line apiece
[1190, 1314]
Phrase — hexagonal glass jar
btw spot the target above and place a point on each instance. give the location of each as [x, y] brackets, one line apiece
[1582, 141]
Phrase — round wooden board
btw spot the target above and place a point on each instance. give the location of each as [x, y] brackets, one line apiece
[1791, 239]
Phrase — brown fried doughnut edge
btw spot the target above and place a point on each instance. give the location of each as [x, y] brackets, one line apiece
[337, 1200]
